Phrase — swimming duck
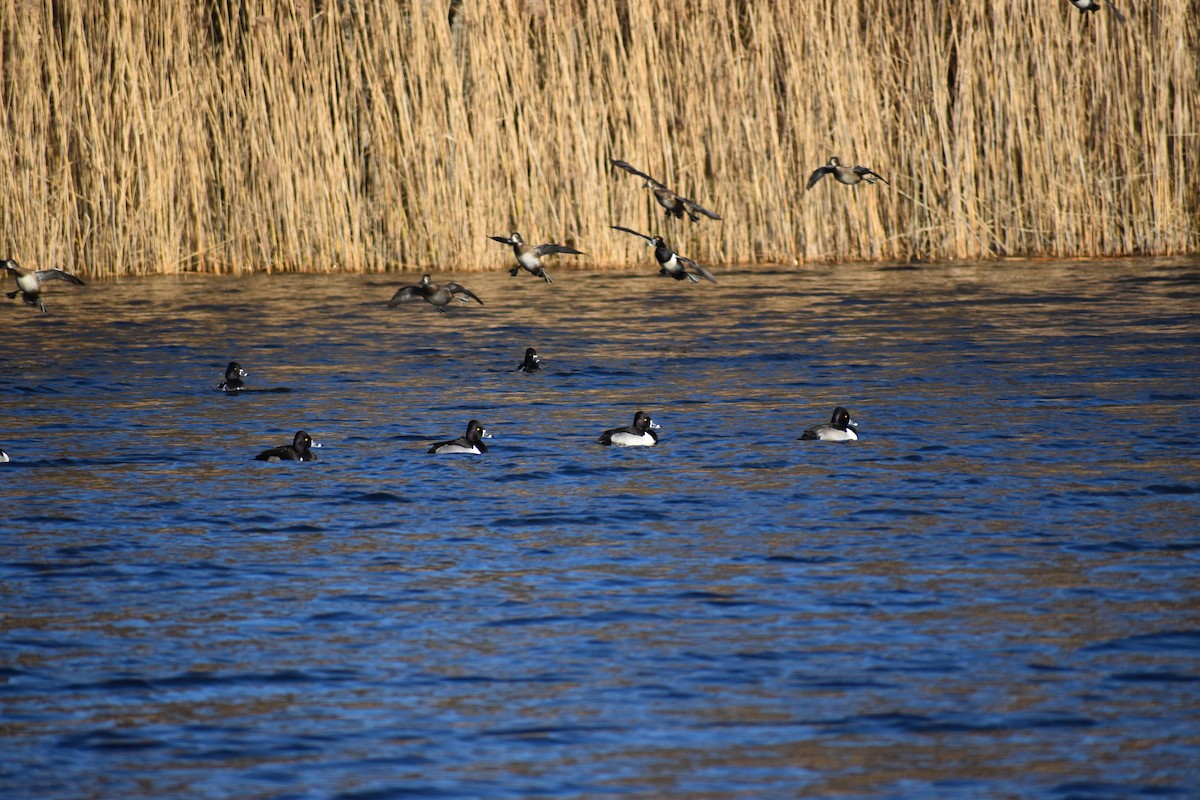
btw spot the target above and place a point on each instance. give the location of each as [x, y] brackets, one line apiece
[840, 428]
[532, 362]
[670, 262]
[299, 450]
[529, 257]
[4, 459]
[1085, 6]
[674, 204]
[430, 292]
[471, 442]
[29, 281]
[639, 434]
[846, 175]
[233, 378]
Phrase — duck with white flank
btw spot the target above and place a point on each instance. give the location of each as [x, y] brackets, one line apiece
[471, 442]
[430, 292]
[29, 281]
[670, 262]
[674, 204]
[639, 434]
[840, 428]
[529, 257]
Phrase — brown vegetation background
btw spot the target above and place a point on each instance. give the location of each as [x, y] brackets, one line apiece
[142, 136]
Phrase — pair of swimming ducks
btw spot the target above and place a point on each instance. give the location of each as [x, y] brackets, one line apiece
[641, 433]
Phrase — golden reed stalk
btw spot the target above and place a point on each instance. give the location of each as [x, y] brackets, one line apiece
[139, 136]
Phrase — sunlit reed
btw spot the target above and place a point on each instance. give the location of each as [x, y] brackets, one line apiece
[139, 136]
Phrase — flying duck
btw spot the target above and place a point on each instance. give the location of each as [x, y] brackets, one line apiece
[840, 428]
[529, 257]
[843, 174]
[29, 281]
[675, 204]
[670, 262]
[1085, 6]
[430, 292]
[299, 450]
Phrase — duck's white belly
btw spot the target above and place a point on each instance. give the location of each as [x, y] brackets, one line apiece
[626, 439]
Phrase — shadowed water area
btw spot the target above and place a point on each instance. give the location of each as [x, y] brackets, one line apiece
[994, 593]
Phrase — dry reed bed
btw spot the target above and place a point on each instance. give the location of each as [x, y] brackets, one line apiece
[156, 137]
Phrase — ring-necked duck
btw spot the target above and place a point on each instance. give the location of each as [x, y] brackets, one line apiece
[233, 378]
[840, 428]
[639, 434]
[4, 459]
[674, 204]
[430, 292]
[670, 262]
[844, 174]
[301, 449]
[1085, 6]
[471, 442]
[532, 362]
[529, 257]
[29, 281]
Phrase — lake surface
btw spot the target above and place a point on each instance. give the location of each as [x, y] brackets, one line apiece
[994, 593]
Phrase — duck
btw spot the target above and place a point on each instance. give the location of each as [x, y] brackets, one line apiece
[676, 205]
[639, 434]
[840, 428]
[301, 449]
[29, 281]
[532, 362]
[233, 378]
[669, 262]
[529, 257]
[470, 442]
[844, 174]
[430, 292]
[1085, 6]
[4, 459]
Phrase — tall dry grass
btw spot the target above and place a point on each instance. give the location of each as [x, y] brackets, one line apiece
[140, 136]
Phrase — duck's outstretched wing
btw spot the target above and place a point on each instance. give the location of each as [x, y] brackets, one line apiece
[550, 248]
[692, 266]
[694, 208]
[503, 240]
[405, 294]
[57, 275]
[631, 230]
[869, 175]
[457, 289]
[817, 174]
[630, 168]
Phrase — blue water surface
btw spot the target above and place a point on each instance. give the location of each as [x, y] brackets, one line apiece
[994, 593]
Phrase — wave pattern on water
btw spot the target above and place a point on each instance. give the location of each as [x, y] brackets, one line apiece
[993, 593]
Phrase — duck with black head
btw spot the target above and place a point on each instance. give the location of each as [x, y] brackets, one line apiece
[301, 449]
[840, 428]
[471, 442]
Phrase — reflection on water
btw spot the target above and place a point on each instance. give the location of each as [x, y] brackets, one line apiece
[993, 593]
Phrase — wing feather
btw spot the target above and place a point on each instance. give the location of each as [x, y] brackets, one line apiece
[631, 230]
[818, 173]
[457, 289]
[625, 165]
[57, 275]
[550, 248]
